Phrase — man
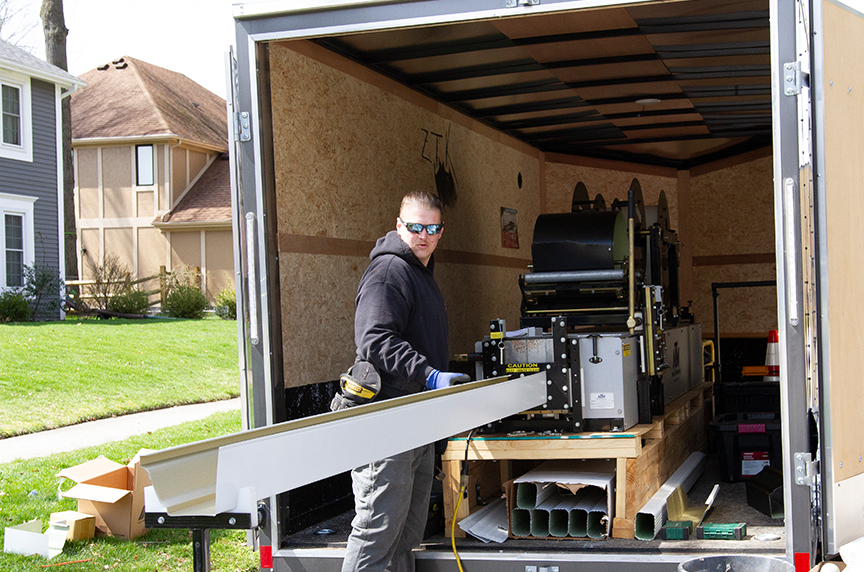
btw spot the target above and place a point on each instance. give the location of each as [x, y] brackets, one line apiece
[400, 326]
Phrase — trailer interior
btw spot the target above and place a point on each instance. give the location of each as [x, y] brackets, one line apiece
[507, 119]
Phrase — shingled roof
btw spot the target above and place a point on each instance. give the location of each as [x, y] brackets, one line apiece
[16, 59]
[131, 98]
[209, 199]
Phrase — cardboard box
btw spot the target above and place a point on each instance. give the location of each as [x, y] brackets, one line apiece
[80, 526]
[111, 492]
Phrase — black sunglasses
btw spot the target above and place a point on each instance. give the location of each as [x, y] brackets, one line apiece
[417, 228]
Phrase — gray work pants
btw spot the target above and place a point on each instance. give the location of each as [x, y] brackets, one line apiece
[391, 499]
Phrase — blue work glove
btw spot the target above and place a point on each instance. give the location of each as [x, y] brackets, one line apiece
[441, 379]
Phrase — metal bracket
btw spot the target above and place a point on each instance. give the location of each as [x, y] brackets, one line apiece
[794, 79]
[242, 126]
[804, 469]
[515, 3]
[200, 527]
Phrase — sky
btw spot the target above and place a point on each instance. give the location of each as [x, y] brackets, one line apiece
[186, 36]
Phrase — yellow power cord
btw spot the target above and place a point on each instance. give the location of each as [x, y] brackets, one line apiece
[462, 491]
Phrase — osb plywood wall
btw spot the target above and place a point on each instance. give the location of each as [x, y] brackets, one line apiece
[733, 241]
[338, 188]
[732, 232]
[612, 184]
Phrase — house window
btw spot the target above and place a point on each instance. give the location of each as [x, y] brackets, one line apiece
[15, 120]
[144, 165]
[16, 238]
[14, 249]
[11, 97]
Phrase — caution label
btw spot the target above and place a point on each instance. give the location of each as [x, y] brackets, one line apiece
[626, 349]
[523, 368]
[496, 335]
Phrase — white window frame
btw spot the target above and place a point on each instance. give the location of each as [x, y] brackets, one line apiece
[23, 206]
[139, 169]
[24, 151]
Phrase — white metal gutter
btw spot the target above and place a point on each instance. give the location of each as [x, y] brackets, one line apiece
[218, 475]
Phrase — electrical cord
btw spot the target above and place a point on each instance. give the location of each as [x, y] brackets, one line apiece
[463, 492]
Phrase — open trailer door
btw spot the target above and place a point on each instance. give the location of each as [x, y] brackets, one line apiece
[838, 102]
[796, 288]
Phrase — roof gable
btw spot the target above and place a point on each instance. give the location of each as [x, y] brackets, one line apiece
[131, 98]
[209, 199]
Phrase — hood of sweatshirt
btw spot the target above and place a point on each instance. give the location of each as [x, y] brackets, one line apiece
[392, 243]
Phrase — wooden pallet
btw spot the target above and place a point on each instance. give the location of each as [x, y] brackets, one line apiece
[645, 456]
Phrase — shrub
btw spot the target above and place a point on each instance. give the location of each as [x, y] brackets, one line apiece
[42, 285]
[131, 301]
[185, 302]
[14, 307]
[182, 276]
[226, 304]
[110, 279]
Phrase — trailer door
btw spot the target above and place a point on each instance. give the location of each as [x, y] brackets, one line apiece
[237, 231]
[796, 295]
[838, 96]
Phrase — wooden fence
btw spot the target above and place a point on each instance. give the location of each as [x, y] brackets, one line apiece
[75, 288]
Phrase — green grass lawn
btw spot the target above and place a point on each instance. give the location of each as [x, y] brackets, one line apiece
[61, 373]
[29, 490]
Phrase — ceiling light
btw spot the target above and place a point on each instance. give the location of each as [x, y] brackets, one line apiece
[648, 101]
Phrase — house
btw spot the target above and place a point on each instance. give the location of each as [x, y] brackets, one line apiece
[31, 163]
[151, 173]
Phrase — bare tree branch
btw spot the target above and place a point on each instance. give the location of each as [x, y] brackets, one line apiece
[13, 23]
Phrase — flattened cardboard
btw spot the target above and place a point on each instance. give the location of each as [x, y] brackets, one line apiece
[27, 539]
[111, 492]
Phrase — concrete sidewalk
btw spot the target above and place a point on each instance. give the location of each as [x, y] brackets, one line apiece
[47, 443]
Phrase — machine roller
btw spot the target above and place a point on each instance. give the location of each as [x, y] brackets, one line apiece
[601, 315]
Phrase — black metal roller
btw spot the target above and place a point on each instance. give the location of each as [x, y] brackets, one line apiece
[599, 203]
[639, 201]
[663, 211]
[581, 200]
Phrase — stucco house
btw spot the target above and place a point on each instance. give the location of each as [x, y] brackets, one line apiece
[31, 163]
[151, 173]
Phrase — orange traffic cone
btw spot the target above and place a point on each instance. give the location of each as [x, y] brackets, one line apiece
[772, 356]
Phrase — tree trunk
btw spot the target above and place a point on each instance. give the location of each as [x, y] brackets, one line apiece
[54, 26]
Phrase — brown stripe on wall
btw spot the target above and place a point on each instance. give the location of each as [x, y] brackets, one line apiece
[477, 259]
[301, 244]
[735, 259]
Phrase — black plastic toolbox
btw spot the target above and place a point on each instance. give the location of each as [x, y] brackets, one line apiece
[746, 443]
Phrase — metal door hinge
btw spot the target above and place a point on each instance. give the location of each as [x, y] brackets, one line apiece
[805, 470]
[794, 80]
[515, 3]
[242, 126]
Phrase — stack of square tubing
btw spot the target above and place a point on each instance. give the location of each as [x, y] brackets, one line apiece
[543, 510]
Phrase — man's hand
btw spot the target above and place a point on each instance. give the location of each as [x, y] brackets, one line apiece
[441, 379]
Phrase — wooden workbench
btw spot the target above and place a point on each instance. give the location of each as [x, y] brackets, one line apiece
[645, 456]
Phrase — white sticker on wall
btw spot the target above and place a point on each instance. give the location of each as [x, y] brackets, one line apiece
[602, 400]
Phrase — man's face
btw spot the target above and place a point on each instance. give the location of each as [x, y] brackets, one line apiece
[423, 244]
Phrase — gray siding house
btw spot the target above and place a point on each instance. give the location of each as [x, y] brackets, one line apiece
[31, 169]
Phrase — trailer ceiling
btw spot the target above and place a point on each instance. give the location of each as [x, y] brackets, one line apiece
[675, 84]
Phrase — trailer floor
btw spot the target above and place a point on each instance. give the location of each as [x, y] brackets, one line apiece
[730, 506]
